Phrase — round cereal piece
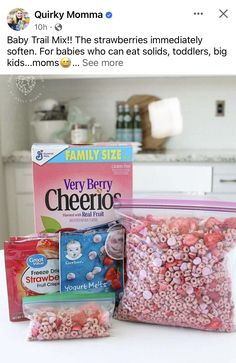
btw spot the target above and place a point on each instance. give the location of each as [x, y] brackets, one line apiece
[147, 295]
[42, 330]
[157, 262]
[89, 276]
[46, 336]
[97, 238]
[71, 276]
[197, 261]
[206, 271]
[61, 334]
[142, 274]
[40, 337]
[96, 270]
[171, 241]
[170, 259]
[68, 323]
[52, 319]
[189, 290]
[92, 255]
[74, 334]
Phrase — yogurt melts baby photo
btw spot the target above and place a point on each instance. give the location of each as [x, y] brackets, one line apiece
[73, 250]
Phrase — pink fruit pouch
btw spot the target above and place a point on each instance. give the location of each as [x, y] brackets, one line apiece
[181, 263]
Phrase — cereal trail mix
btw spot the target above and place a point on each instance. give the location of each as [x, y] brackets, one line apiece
[69, 316]
[180, 268]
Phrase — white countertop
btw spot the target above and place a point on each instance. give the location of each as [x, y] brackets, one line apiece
[185, 156]
[130, 342]
[175, 156]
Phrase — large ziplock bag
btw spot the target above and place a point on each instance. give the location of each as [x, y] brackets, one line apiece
[181, 263]
[69, 315]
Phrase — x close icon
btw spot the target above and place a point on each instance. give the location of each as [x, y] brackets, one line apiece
[223, 13]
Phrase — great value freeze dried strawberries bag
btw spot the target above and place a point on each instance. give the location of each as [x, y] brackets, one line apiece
[181, 263]
[31, 269]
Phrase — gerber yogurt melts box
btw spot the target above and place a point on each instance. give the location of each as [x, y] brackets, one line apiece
[75, 185]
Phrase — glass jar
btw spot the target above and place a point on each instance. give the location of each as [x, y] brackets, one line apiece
[79, 134]
[95, 132]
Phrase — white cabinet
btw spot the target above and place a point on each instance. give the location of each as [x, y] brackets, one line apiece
[24, 213]
[167, 178]
[224, 181]
[20, 203]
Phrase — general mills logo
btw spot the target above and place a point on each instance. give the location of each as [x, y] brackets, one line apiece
[39, 155]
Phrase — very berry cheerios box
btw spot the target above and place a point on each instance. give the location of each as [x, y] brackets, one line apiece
[75, 185]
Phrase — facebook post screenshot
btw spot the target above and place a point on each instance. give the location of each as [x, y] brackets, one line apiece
[118, 181]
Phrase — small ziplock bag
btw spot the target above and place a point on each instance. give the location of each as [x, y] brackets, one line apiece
[69, 315]
[181, 263]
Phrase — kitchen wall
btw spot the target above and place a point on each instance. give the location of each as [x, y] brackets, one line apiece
[13, 117]
[14, 135]
[202, 130]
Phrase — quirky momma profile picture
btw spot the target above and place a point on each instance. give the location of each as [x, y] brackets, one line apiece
[18, 19]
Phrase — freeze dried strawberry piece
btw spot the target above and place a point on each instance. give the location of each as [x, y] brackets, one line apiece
[216, 253]
[182, 224]
[193, 225]
[214, 295]
[198, 294]
[171, 264]
[163, 287]
[190, 240]
[58, 322]
[229, 223]
[76, 327]
[107, 261]
[215, 324]
[181, 291]
[115, 284]
[111, 274]
[92, 311]
[211, 222]
[211, 239]
[162, 270]
[80, 318]
[213, 284]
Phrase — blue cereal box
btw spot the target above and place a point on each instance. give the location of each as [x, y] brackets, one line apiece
[92, 259]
